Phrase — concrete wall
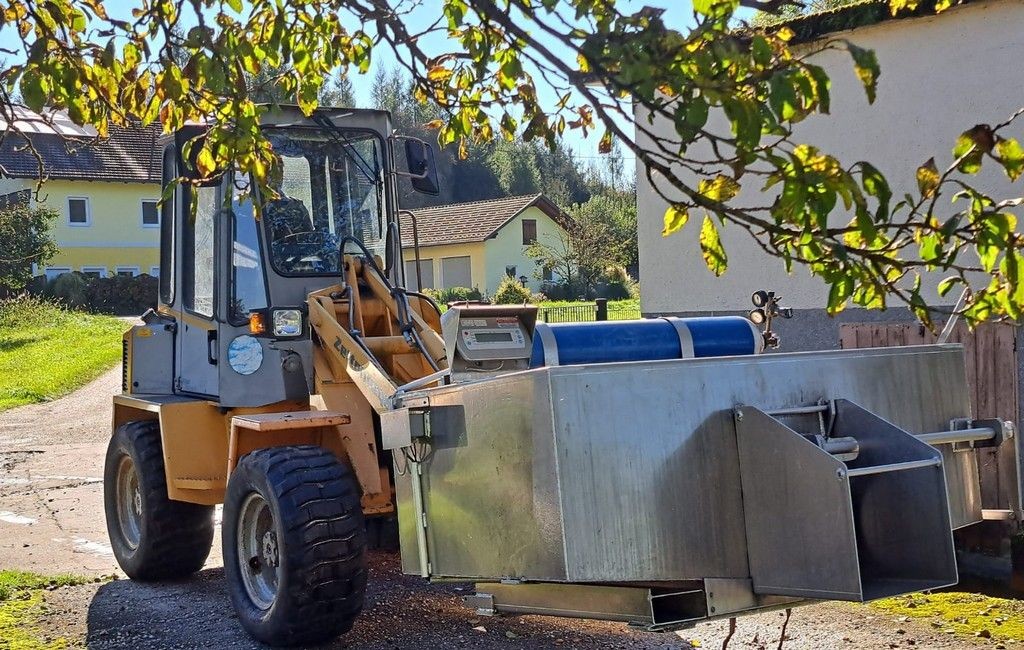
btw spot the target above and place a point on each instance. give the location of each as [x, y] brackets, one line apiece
[489, 258]
[115, 235]
[940, 75]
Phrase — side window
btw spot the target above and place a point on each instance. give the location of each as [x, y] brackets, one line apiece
[250, 292]
[166, 273]
[198, 251]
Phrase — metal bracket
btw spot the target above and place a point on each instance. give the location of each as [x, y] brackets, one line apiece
[482, 603]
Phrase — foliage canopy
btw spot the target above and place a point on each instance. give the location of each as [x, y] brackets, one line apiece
[838, 218]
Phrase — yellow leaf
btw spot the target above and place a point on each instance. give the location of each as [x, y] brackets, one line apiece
[928, 178]
[439, 74]
[711, 247]
[720, 188]
[675, 218]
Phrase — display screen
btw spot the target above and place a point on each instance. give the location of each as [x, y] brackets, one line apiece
[493, 337]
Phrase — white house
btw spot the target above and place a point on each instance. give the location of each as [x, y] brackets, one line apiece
[941, 74]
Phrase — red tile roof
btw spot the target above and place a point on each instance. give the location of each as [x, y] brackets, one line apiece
[476, 221]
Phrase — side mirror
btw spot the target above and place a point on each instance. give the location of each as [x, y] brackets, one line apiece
[422, 172]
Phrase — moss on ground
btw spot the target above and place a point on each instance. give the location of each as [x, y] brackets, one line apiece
[961, 613]
[21, 603]
[47, 351]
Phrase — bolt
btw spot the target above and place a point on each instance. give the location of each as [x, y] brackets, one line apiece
[739, 414]
[840, 473]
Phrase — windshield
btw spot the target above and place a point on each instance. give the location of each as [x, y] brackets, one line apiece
[331, 186]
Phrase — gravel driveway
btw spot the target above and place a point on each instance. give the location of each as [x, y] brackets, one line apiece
[51, 520]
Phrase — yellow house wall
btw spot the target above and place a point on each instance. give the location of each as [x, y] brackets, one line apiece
[115, 235]
[507, 249]
[475, 251]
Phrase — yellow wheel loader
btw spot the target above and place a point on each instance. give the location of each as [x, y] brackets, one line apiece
[660, 472]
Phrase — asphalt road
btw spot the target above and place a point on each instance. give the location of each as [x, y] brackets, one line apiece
[51, 520]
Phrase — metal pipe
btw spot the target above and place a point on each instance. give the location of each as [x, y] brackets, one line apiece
[976, 434]
[415, 246]
[421, 517]
[894, 467]
[799, 410]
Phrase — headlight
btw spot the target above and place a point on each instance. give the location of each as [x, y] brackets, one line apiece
[287, 322]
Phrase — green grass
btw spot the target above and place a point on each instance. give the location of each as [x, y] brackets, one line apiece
[47, 351]
[21, 601]
[961, 613]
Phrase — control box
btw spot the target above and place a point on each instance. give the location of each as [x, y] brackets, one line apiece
[488, 338]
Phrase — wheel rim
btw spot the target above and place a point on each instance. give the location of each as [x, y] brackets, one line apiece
[258, 556]
[129, 502]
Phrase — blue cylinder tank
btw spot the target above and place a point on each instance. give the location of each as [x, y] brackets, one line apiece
[564, 344]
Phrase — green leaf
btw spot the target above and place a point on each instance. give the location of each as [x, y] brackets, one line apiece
[840, 291]
[947, 284]
[1011, 156]
[782, 98]
[865, 64]
[675, 218]
[720, 188]
[971, 146]
[33, 90]
[928, 178]
[874, 183]
[711, 247]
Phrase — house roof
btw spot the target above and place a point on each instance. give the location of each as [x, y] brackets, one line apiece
[476, 221]
[68, 152]
[860, 13]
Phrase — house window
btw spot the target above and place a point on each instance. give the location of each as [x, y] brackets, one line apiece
[529, 231]
[53, 272]
[426, 274]
[150, 214]
[94, 271]
[456, 272]
[546, 274]
[510, 270]
[154, 271]
[78, 211]
[128, 271]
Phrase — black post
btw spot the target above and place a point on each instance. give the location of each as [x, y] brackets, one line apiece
[602, 308]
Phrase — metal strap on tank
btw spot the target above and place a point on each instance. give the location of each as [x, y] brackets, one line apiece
[548, 343]
[685, 338]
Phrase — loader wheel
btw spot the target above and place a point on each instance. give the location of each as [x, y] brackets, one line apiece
[294, 545]
[153, 538]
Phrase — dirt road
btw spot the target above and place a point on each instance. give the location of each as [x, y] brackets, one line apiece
[51, 520]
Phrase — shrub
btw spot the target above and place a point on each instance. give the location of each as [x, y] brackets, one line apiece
[617, 285]
[69, 289]
[121, 295]
[453, 294]
[512, 292]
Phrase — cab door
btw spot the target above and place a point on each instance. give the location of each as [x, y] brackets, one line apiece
[197, 346]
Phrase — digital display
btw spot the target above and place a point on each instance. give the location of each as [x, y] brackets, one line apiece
[493, 337]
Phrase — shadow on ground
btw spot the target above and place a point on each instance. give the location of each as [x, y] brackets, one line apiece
[401, 612]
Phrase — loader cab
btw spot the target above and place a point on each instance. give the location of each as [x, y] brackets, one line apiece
[233, 284]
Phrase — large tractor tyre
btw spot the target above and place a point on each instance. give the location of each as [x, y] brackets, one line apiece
[294, 545]
[153, 538]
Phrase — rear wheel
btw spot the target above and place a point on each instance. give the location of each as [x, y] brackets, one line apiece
[294, 545]
[153, 538]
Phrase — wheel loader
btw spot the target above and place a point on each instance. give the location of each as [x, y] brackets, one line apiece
[659, 472]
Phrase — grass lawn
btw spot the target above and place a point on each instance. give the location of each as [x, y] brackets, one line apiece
[21, 599]
[47, 351]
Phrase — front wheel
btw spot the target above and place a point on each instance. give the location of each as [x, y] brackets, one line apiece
[294, 545]
[153, 538]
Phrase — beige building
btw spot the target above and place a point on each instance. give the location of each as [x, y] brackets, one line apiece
[105, 192]
[477, 244]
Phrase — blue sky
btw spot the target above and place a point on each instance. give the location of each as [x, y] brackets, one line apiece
[424, 13]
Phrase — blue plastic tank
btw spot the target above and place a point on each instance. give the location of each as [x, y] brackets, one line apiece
[650, 339]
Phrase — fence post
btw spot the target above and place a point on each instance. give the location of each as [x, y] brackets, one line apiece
[602, 308]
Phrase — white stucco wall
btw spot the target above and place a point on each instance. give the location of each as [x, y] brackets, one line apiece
[940, 75]
[507, 249]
